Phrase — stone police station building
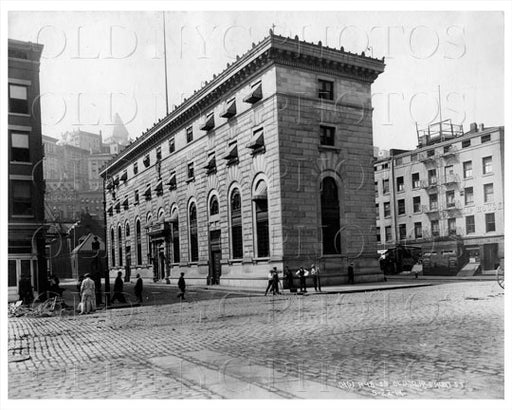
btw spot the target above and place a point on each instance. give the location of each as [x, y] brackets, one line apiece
[268, 164]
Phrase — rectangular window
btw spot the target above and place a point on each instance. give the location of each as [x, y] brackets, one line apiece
[401, 206]
[378, 235]
[20, 149]
[327, 135]
[377, 211]
[400, 184]
[190, 135]
[490, 224]
[485, 138]
[467, 168]
[430, 153]
[18, 99]
[488, 193]
[159, 153]
[171, 145]
[415, 180]
[433, 201]
[387, 209]
[326, 90]
[22, 197]
[388, 233]
[190, 170]
[470, 224]
[452, 226]
[486, 165]
[448, 170]
[450, 199]
[376, 188]
[416, 204]
[434, 228]
[136, 199]
[402, 228]
[135, 168]
[432, 177]
[418, 230]
[466, 143]
[385, 186]
[447, 148]
[399, 161]
[385, 166]
[468, 196]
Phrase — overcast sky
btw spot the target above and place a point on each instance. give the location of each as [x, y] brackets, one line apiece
[97, 63]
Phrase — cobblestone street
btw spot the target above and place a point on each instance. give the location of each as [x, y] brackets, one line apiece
[442, 341]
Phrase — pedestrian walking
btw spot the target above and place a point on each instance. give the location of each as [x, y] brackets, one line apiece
[88, 295]
[302, 273]
[270, 278]
[181, 286]
[138, 288]
[315, 274]
[350, 272]
[118, 289]
[275, 282]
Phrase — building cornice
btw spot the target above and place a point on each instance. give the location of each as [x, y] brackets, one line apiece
[273, 49]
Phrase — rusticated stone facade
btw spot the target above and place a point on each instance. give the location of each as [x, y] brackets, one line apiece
[281, 151]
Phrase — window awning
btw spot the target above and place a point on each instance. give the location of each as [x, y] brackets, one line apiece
[255, 94]
[257, 141]
[124, 177]
[172, 182]
[146, 160]
[159, 186]
[174, 216]
[211, 166]
[116, 180]
[117, 206]
[147, 192]
[232, 157]
[110, 210]
[261, 192]
[109, 184]
[230, 110]
[208, 124]
[125, 203]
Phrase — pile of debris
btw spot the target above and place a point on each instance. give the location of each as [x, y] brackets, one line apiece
[51, 307]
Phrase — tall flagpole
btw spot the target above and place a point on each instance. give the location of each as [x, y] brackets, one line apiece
[439, 97]
[165, 65]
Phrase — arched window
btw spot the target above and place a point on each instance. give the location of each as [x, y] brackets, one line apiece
[112, 247]
[260, 209]
[148, 241]
[127, 230]
[138, 240]
[236, 224]
[120, 244]
[214, 206]
[175, 235]
[194, 254]
[330, 217]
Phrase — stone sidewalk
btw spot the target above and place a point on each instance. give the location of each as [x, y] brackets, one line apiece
[443, 341]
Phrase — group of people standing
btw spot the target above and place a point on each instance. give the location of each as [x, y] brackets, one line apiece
[274, 282]
[302, 274]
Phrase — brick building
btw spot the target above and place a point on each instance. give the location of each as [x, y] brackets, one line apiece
[26, 241]
[269, 164]
[448, 189]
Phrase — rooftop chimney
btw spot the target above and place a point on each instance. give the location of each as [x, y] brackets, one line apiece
[481, 127]
[473, 127]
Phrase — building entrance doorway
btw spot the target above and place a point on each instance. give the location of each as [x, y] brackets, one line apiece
[490, 256]
[215, 258]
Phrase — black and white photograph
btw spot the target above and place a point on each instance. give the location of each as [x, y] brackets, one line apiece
[260, 201]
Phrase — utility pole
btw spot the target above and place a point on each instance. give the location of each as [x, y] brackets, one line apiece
[165, 66]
